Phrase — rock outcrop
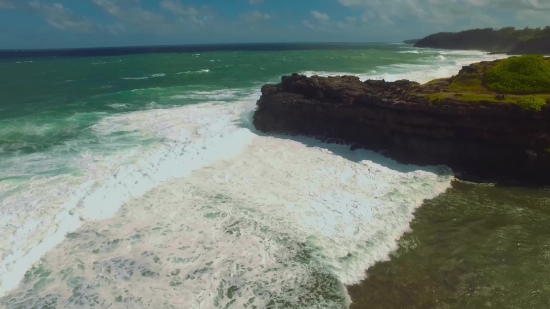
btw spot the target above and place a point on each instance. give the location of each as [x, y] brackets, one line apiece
[486, 139]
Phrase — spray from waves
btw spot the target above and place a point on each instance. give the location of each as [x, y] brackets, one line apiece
[195, 72]
[144, 77]
[135, 78]
[278, 224]
[36, 218]
[216, 95]
[409, 52]
[35, 225]
[119, 106]
[442, 64]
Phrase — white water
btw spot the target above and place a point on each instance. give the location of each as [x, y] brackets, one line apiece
[211, 175]
[237, 221]
[438, 67]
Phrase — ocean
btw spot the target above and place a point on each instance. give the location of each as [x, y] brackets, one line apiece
[137, 180]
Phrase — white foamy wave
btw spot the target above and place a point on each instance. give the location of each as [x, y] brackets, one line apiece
[36, 220]
[118, 105]
[216, 95]
[135, 78]
[214, 214]
[245, 220]
[414, 51]
[192, 72]
[446, 64]
[145, 77]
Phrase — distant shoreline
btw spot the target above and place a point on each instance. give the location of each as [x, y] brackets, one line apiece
[508, 40]
[195, 48]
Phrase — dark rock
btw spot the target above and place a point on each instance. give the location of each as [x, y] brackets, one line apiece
[481, 138]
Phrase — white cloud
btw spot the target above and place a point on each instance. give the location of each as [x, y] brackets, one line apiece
[255, 16]
[115, 29]
[479, 12]
[307, 24]
[5, 4]
[176, 8]
[256, 1]
[136, 18]
[321, 17]
[513, 5]
[59, 17]
[321, 21]
[130, 11]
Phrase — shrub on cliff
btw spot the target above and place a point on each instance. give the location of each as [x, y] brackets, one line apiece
[531, 103]
[519, 75]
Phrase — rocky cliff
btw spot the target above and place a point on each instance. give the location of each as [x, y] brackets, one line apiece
[487, 139]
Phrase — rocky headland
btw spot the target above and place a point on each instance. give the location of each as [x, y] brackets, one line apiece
[505, 40]
[476, 122]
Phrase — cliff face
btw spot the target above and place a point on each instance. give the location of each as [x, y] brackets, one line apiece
[485, 138]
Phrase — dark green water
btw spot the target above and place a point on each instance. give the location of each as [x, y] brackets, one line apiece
[138, 182]
[475, 246]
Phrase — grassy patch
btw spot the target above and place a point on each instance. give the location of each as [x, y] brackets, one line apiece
[519, 75]
[436, 97]
[435, 81]
[474, 97]
[527, 103]
[525, 81]
[469, 81]
[531, 103]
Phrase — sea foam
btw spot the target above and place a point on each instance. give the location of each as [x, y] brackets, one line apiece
[436, 66]
[214, 213]
[36, 220]
[246, 219]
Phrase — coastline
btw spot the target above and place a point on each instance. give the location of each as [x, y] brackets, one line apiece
[453, 281]
[396, 74]
[455, 121]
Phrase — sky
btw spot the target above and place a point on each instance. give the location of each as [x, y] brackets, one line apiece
[105, 23]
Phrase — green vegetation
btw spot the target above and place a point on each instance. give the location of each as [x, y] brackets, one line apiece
[519, 75]
[468, 81]
[531, 103]
[526, 102]
[436, 97]
[508, 39]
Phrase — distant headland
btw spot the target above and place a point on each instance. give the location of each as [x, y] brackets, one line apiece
[413, 41]
[507, 40]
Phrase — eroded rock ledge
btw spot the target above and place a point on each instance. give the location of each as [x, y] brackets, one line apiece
[481, 139]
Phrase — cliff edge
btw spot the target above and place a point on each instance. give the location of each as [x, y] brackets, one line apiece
[455, 121]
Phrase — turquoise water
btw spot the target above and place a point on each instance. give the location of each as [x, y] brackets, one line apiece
[138, 181]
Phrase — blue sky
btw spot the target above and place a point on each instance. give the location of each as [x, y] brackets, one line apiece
[89, 23]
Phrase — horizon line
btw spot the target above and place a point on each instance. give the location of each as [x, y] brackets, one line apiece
[185, 45]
